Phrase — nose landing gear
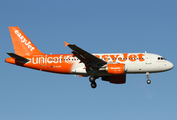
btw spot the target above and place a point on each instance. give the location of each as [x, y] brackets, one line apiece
[147, 75]
[148, 81]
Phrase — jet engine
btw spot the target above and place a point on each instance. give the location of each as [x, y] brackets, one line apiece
[118, 73]
[117, 68]
[116, 79]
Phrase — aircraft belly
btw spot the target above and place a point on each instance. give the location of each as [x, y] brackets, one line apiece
[138, 68]
[143, 68]
[78, 68]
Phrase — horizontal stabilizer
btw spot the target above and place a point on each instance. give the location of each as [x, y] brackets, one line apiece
[18, 58]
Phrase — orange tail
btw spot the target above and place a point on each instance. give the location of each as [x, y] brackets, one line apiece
[22, 45]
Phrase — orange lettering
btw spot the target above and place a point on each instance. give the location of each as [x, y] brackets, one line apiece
[124, 57]
[114, 57]
[132, 58]
[105, 57]
[140, 56]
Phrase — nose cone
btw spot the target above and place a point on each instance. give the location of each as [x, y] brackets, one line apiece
[170, 65]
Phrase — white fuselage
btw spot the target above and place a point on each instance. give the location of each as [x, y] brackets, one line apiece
[134, 62]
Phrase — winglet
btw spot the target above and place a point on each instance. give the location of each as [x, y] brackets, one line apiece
[66, 44]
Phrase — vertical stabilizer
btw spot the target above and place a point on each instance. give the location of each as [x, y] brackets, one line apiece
[22, 45]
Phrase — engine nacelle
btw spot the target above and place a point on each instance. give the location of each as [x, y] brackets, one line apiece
[117, 79]
[117, 68]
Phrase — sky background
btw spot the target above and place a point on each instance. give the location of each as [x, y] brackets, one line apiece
[97, 26]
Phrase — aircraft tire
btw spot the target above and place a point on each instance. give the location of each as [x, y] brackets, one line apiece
[93, 85]
[91, 79]
[148, 81]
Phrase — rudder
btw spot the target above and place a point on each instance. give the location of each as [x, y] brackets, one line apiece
[22, 45]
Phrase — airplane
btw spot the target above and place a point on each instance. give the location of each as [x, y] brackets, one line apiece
[111, 67]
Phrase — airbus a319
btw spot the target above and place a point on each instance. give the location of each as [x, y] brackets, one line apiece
[111, 67]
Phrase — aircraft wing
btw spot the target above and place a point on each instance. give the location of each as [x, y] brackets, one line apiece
[85, 57]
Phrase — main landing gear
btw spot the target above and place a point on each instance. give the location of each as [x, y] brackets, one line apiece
[92, 80]
[147, 75]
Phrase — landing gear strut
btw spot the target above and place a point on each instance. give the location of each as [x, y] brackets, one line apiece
[147, 75]
[92, 80]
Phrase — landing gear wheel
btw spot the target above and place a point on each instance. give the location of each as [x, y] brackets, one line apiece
[91, 79]
[147, 75]
[148, 81]
[93, 85]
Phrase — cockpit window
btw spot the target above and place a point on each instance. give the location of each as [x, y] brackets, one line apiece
[161, 58]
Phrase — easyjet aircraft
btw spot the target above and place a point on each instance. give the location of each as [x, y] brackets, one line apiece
[111, 67]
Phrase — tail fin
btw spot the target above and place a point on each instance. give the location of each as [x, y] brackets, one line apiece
[22, 45]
